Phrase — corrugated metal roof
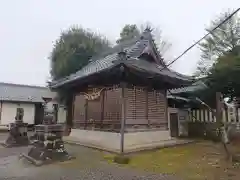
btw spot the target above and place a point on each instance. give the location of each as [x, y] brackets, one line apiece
[133, 49]
[24, 93]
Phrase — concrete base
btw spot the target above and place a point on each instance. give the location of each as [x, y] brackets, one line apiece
[48, 161]
[12, 145]
[15, 143]
[108, 141]
[133, 141]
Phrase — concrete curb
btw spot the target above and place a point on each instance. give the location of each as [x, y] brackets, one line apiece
[132, 149]
[88, 145]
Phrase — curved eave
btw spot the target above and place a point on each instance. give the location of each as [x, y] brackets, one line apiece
[178, 98]
[140, 68]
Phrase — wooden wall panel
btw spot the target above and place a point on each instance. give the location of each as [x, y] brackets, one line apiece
[141, 107]
[162, 109]
[112, 109]
[130, 105]
[157, 109]
[146, 108]
[152, 107]
[94, 112]
[79, 111]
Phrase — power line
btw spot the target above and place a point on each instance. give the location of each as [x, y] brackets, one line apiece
[210, 32]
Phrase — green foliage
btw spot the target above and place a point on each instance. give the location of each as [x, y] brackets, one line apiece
[223, 76]
[220, 58]
[222, 40]
[129, 31]
[73, 49]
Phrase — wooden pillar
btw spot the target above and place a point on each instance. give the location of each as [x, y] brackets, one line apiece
[70, 110]
[102, 108]
[86, 114]
[0, 111]
[226, 114]
[218, 109]
[146, 94]
[56, 109]
[123, 120]
[236, 114]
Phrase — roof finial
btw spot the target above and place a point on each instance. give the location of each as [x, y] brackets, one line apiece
[147, 32]
[122, 54]
[148, 29]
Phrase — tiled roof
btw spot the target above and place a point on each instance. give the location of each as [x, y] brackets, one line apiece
[156, 69]
[24, 93]
[178, 98]
[133, 49]
[198, 85]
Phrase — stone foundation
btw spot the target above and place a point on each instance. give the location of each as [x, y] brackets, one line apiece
[138, 139]
[110, 141]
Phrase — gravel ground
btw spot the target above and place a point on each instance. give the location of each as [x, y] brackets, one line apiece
[88, 166]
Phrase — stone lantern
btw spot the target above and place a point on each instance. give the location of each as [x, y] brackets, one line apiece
[48, 145]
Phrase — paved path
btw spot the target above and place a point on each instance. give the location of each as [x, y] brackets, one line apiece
[87, 166]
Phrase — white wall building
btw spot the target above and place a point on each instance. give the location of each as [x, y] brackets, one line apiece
[13, 96]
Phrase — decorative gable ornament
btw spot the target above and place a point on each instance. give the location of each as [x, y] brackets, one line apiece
[95, 94]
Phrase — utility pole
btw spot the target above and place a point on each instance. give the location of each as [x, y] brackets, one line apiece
[122, 131]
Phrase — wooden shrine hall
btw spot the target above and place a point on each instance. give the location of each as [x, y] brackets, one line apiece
[121, 90]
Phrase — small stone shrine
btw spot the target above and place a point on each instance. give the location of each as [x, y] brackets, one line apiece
[17, 131]
[48, 145]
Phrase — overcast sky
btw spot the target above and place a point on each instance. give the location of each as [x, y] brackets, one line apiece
[29, 28]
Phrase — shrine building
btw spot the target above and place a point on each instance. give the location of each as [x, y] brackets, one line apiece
[119, 100]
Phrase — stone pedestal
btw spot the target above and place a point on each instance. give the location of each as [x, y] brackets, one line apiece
[48, 145]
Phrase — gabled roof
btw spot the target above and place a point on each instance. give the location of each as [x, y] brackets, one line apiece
[24, 93]
[133, 48]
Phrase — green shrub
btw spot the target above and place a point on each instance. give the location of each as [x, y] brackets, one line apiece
[212, 135]
[204, 130]
[121, 159]
[236, 158]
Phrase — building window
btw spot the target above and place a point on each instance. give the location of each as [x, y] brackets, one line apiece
[19, 114]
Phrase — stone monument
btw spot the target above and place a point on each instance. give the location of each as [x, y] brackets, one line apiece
[17, 131]
[47, 145]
